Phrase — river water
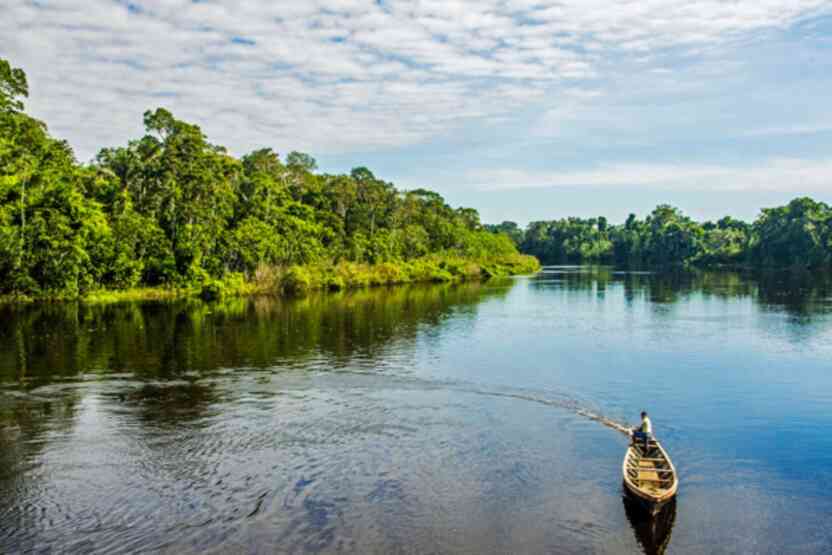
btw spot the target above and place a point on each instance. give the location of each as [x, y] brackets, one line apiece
[435, 419]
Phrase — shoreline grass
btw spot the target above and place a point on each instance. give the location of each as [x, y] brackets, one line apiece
[296, 281]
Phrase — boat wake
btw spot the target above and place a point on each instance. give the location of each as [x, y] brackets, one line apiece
[561, 403]
[549, 398]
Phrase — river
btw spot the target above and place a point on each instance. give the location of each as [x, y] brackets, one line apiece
[430, 419]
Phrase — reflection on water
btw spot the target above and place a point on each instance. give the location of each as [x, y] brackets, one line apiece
[800, 293]
[421, 419]
[652, 532]
[48, 341]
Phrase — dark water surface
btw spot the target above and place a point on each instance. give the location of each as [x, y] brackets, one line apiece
[434, 419]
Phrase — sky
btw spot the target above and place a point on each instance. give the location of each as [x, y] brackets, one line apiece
[522, 109]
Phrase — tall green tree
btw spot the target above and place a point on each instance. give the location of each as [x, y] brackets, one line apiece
[51, 234]
[794, 235]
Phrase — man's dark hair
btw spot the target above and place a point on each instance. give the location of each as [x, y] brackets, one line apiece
[643, 413]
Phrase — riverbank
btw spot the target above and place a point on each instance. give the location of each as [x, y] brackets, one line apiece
[300, 280]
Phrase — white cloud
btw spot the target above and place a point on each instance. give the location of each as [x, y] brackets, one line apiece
[795, 129]
[790, 175]
[336, 76]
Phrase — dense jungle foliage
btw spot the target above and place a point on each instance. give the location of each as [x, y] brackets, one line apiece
[798, 235]
[173, 211]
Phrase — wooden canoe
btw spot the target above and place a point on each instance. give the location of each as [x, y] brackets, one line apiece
[650, 476]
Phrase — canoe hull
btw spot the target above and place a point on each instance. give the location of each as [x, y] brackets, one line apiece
[649, 506]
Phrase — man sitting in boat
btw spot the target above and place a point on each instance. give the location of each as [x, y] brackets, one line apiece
[645, 432]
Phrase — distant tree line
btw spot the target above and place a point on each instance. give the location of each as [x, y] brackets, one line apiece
[796, 235]
[170, 208]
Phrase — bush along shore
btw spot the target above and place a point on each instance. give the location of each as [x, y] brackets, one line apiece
[170, 214]
[437, 269]
[294, 281]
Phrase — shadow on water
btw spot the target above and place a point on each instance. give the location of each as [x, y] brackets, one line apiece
[652, 532]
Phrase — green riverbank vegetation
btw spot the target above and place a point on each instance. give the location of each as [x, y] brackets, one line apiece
[798, 236]
[299, 280]
[171, 214]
